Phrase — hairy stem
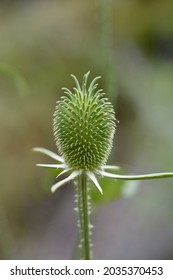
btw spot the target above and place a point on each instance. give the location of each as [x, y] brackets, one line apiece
[83, 210]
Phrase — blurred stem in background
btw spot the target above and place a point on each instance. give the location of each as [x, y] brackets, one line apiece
[107, 57]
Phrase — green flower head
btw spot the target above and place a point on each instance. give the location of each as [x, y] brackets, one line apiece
[84, 126]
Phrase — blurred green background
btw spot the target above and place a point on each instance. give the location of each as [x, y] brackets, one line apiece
[130, 44]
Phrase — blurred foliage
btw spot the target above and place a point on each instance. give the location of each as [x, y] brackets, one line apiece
[129, 43]
[13, 75]
[111, 190]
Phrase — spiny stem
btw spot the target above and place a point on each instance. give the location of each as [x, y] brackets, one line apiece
[83, 208]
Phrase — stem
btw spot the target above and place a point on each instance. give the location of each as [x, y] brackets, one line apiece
[107, 52]
[83, 209]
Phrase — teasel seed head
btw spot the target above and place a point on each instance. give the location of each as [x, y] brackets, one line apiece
[84, 126]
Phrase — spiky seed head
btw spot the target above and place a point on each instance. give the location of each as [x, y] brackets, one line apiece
[84, 126]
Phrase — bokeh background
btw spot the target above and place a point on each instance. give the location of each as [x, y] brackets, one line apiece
[130, 44]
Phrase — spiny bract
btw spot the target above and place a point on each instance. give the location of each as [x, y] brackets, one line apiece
[84, 126]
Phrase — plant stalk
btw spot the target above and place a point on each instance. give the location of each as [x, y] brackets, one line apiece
[83, 209]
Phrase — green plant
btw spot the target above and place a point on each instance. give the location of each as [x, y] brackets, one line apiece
[84, 126]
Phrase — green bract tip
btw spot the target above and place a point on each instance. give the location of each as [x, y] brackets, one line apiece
[84, 126]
